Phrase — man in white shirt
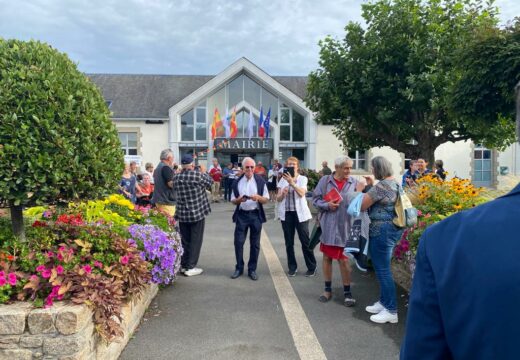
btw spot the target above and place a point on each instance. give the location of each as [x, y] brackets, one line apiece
[249, 195]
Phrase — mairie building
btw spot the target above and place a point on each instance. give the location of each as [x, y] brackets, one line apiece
[155, 112]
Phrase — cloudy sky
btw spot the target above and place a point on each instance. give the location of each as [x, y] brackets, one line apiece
[186, 36]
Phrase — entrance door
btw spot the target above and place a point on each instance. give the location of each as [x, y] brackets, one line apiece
[482, 166]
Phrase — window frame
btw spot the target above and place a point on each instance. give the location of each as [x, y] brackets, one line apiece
[125, 147]
[357, 159]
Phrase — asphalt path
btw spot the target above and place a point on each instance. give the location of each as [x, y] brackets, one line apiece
[214, 317]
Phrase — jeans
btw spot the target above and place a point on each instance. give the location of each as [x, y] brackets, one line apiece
[228, 188]
[383, 237]
[290, 226]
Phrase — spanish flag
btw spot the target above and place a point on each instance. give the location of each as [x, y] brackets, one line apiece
[217, 127]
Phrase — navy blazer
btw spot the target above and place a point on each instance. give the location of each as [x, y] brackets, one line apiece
[465, 298]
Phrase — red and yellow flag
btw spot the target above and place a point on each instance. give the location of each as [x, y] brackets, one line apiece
[216, 125]
[233, 124]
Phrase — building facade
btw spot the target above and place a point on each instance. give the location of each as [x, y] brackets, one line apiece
[154, 112]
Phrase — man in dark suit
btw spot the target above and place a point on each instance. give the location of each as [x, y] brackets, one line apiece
[249, 195]
[466, 288]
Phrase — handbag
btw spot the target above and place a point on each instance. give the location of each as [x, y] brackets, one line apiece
[406, 214]
[316, 230]
[353, 244]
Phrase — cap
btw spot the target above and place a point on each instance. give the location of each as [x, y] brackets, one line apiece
[186, 159]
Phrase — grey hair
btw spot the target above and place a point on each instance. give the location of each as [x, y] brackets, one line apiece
[342, 160]
[381, 167]
[248, 159]
[166, 153]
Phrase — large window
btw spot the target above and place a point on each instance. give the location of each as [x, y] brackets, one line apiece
[292, 125]
[482, 166]
[194, 124]
[128, 142]
[359, 159]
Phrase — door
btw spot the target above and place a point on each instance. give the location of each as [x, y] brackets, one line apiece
[482, 166]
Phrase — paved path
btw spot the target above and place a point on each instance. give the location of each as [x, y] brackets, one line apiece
[213, 317]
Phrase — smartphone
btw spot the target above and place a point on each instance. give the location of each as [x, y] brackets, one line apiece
[289, 170]
[245, 197]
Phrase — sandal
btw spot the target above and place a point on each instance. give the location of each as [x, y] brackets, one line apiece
[324, 298]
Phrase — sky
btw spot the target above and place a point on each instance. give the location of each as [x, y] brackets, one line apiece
[195, 37]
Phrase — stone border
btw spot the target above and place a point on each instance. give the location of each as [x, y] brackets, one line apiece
[64, 331]
[402, 276]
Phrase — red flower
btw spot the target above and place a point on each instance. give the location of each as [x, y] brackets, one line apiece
[10, 257]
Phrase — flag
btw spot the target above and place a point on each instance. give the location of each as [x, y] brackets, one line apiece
[261, 129]
[226, 124]
[251, 125]
[216, 118]
[267, 122]
[233, 125]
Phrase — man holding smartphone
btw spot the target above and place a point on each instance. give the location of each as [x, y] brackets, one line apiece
[249, 195]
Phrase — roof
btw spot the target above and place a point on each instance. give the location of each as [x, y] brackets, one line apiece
[150, 96]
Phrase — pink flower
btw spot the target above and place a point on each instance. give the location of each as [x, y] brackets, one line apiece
[419, 213]
[87, 269]
[2, 274]
[46, 274]
[12, 279]
[124, 259]
[59, 269]
[98, 264]
[40, 268]
[49, 254]
[62, 249]
[2, 281]
[60, 257]
[33, 277]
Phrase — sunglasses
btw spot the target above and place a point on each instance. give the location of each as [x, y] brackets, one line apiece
[249, 167]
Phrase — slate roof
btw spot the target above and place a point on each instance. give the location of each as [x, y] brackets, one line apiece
[150, 96]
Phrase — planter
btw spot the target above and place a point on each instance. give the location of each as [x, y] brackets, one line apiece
[402, 275]
[64, 331]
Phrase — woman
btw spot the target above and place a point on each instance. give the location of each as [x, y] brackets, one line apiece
[127, 185]
[439, 169]
[144, 191]
[272, 182]
[383, 235]
[294, 213]
[410, 175]
[334, 226]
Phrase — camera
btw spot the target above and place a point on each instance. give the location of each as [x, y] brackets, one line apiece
[289, 170]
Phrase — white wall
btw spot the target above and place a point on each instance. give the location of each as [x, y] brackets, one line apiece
[328, 147]
[395, 157]
[154, 138]
[457, 158]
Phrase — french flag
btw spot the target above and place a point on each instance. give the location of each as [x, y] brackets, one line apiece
[261, 128]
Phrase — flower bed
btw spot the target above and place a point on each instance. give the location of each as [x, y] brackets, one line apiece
[435, 200]
[98, 253]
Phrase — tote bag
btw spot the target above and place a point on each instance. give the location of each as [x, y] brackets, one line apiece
[406, 214]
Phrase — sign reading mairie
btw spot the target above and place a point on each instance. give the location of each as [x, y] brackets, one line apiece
[243, 144]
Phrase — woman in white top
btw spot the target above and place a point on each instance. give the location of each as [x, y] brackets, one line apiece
[295, 215]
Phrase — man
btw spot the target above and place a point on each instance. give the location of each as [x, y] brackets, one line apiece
[163, 195]
[422, 168]
[465, 292]
[325, 170]
[216, 174]
[192, 207]
[411, 174]
[260, 170]
[249, 195]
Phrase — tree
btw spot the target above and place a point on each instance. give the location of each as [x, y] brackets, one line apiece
[57, 142]
[391, 83]
[484, 95]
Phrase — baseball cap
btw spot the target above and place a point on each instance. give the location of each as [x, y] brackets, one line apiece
[186, 159]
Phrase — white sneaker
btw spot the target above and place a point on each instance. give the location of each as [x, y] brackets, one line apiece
[193, 272]
[375, 309]
[383, 317]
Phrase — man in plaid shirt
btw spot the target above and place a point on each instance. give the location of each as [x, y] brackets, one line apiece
[192, 207]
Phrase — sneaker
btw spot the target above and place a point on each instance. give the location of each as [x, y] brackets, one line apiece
[383, 317]
[310, 273]
[349, 300]
[375, 309]
[183, 270]
[193, 272]
[292, 273]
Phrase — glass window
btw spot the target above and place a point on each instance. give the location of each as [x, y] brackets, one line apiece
[187, 126]
[298, 127]
[359, 159]
[252, 92]
[270, 101]
[286, 116]
[201, 115]
[128, 142]
[300, 155]
[235, 91]
[285, 132]
[217, 101]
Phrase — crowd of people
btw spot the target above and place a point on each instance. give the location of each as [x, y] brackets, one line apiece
[185, 191]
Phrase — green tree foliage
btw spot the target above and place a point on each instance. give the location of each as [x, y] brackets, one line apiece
[57, 142]
[484, 95]
[391, 82]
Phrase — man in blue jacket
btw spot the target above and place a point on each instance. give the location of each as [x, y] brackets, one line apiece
[465, 296]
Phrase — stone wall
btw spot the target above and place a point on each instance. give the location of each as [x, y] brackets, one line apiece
[63, 331]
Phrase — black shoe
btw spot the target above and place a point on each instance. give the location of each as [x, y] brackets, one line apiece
[310, 273]
[253, 275]
[236, 274]
[349, 300]
[292, 273]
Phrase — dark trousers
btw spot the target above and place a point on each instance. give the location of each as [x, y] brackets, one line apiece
[228, 183]
[290, 226]
[191, 235]
[247, 220]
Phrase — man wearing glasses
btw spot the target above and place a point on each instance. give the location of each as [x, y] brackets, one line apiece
[249, 195]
